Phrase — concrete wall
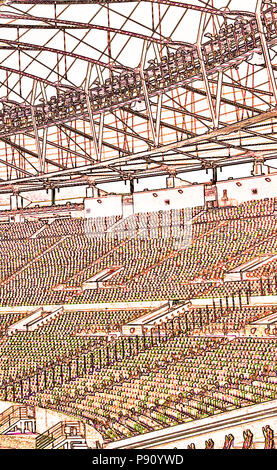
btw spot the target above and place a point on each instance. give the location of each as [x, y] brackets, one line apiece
[103, 206]
[238, 190]
[127, 206]
[166, 199]
[85, 307]
[246, 189]
[4, 201]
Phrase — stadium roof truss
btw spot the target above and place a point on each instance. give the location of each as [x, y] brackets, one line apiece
[132, 90]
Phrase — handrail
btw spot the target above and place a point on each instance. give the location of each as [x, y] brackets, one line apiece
[15, 413]
[58, 431]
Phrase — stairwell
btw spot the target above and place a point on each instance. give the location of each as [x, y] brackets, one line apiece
[63, 435]
[18, 419]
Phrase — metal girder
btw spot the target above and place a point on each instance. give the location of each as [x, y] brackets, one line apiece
[204, 70]
[40, 153]
[22, 149]
[233, 128]
[162, 123]
[187, 95]
[235, 104]
[259, 7]
[57, 146]
[86, 136]
[62, 23]
[89, 137]
[187, 6]
[30, 46]
[96, 141]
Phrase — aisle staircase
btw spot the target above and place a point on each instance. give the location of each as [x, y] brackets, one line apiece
[162, 314]
[18, 419]
[63, 435]
[35, 319]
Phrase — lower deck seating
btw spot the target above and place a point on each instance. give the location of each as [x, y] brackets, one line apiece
[186, 379]
[66, 336]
